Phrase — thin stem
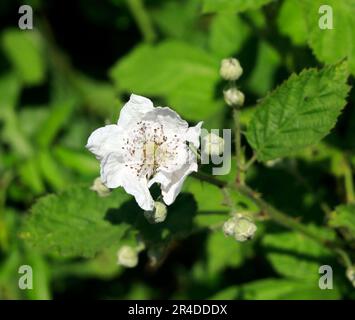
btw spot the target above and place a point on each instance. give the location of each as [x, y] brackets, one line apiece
[276, 215]
[349, 185]
[142, 19]
[238, 146]
[210, 179]
[249, 163]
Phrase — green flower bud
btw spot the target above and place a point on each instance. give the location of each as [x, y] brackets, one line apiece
[229, 226]
[158, 214]
[350, 274]
[233, 97]
[100, 188]
[214, 145]
[244, 229]
[127, 257]
[231, 69]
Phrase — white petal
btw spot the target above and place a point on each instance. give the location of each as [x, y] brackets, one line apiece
[171, 191]
[169, 118]
[193, 134]
[134, 110]
[114, 174]
[105, 140]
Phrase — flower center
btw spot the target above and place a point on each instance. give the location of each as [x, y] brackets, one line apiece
[150, 147]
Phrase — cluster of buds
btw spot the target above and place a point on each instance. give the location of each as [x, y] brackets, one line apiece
[231, 70]
[240, 227]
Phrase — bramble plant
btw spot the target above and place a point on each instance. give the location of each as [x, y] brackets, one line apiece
[283, 208]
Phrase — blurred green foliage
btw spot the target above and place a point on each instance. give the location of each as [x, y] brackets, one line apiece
[70, 75]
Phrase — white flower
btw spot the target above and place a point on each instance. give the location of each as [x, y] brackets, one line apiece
[230, 69]
[148, 145]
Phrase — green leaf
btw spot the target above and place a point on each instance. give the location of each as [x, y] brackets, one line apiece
[228, 34]
[57, 118]
[286, 289]
[99, 96]
[344, 217]
[182, 74]
[24, 50]
[331, 45]
[10, 91]
[296, 256]
[75, 222]
[232, 5]
[223, 252]
[80, 162]
[261, 79]
[230, 293]
[299, 113]
[50, 170]
[291, 22]
[177, 19]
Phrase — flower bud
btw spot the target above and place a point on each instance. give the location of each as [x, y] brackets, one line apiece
[244, 230]
[230, 69]
[100, 188]
[158, 214]
[234, 97]
[213, 144]
[127, 257]
[229, 226]
[155, 255]
[350, 274]
[240, 227]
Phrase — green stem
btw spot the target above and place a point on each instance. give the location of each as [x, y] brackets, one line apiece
[349, 185]
[142, 19]
[276, 215]
[238, 146]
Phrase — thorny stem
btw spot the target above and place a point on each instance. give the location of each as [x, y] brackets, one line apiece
[143, 20]
[276, 215]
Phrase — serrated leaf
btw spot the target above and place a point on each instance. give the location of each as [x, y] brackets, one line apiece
[344, 217]
[295, 256]
[74, 223]
[184, 75]
[232, 5]
[331, 45]
[24, 50]
[299, 113]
